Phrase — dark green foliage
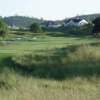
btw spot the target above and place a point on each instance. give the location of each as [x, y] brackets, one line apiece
[3, 28]
[90, 17]
[96, 23]
[82, 30]
[36, 28]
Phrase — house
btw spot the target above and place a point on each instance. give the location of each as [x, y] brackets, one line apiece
[51, 24]
[13, 27]
[17, 28]
[75, 22]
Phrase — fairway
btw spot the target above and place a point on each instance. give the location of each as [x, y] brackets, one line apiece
[42, 43]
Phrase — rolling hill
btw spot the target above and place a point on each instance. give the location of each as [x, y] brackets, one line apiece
[21, 21]
[89, 17]
[25, 22]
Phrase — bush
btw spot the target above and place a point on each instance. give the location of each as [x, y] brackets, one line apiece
[82, 30]
[96, 28]
[36, 28]
[71, 30]
[3, 28]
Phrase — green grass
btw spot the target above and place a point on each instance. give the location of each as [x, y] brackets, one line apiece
[42, 43]
[59, 68]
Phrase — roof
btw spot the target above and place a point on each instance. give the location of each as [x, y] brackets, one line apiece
[76, 20]
[51, 23]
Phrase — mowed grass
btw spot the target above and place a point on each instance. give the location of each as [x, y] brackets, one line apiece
[20, 85]
[42, 43]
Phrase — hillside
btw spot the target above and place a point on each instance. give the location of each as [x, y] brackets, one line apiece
[89, 17]
[20, 21]
[25, 22]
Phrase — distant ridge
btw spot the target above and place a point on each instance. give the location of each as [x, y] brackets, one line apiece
[25, 22]
[21, 21]
[89, 17]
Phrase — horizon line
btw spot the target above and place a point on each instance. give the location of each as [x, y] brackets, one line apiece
[46, 18]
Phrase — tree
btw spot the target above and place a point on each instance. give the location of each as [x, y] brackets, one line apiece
[3, 28]
[36, 28]
[96, 23]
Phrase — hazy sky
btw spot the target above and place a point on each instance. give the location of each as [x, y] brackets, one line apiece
[49, 9]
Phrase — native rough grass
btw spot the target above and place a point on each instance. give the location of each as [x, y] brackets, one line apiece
[60, 68]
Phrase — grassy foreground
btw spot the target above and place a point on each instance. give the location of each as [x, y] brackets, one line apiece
[50, 68]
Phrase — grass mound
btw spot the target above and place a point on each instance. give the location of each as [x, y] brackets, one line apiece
[83, 60]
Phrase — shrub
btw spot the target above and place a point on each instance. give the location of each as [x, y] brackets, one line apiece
[3, 28]
[72, 30]
[96, 29]
[36, 28]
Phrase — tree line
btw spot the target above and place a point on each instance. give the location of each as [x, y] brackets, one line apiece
[36, 27]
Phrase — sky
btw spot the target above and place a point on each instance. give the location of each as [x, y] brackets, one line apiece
[49, 9]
